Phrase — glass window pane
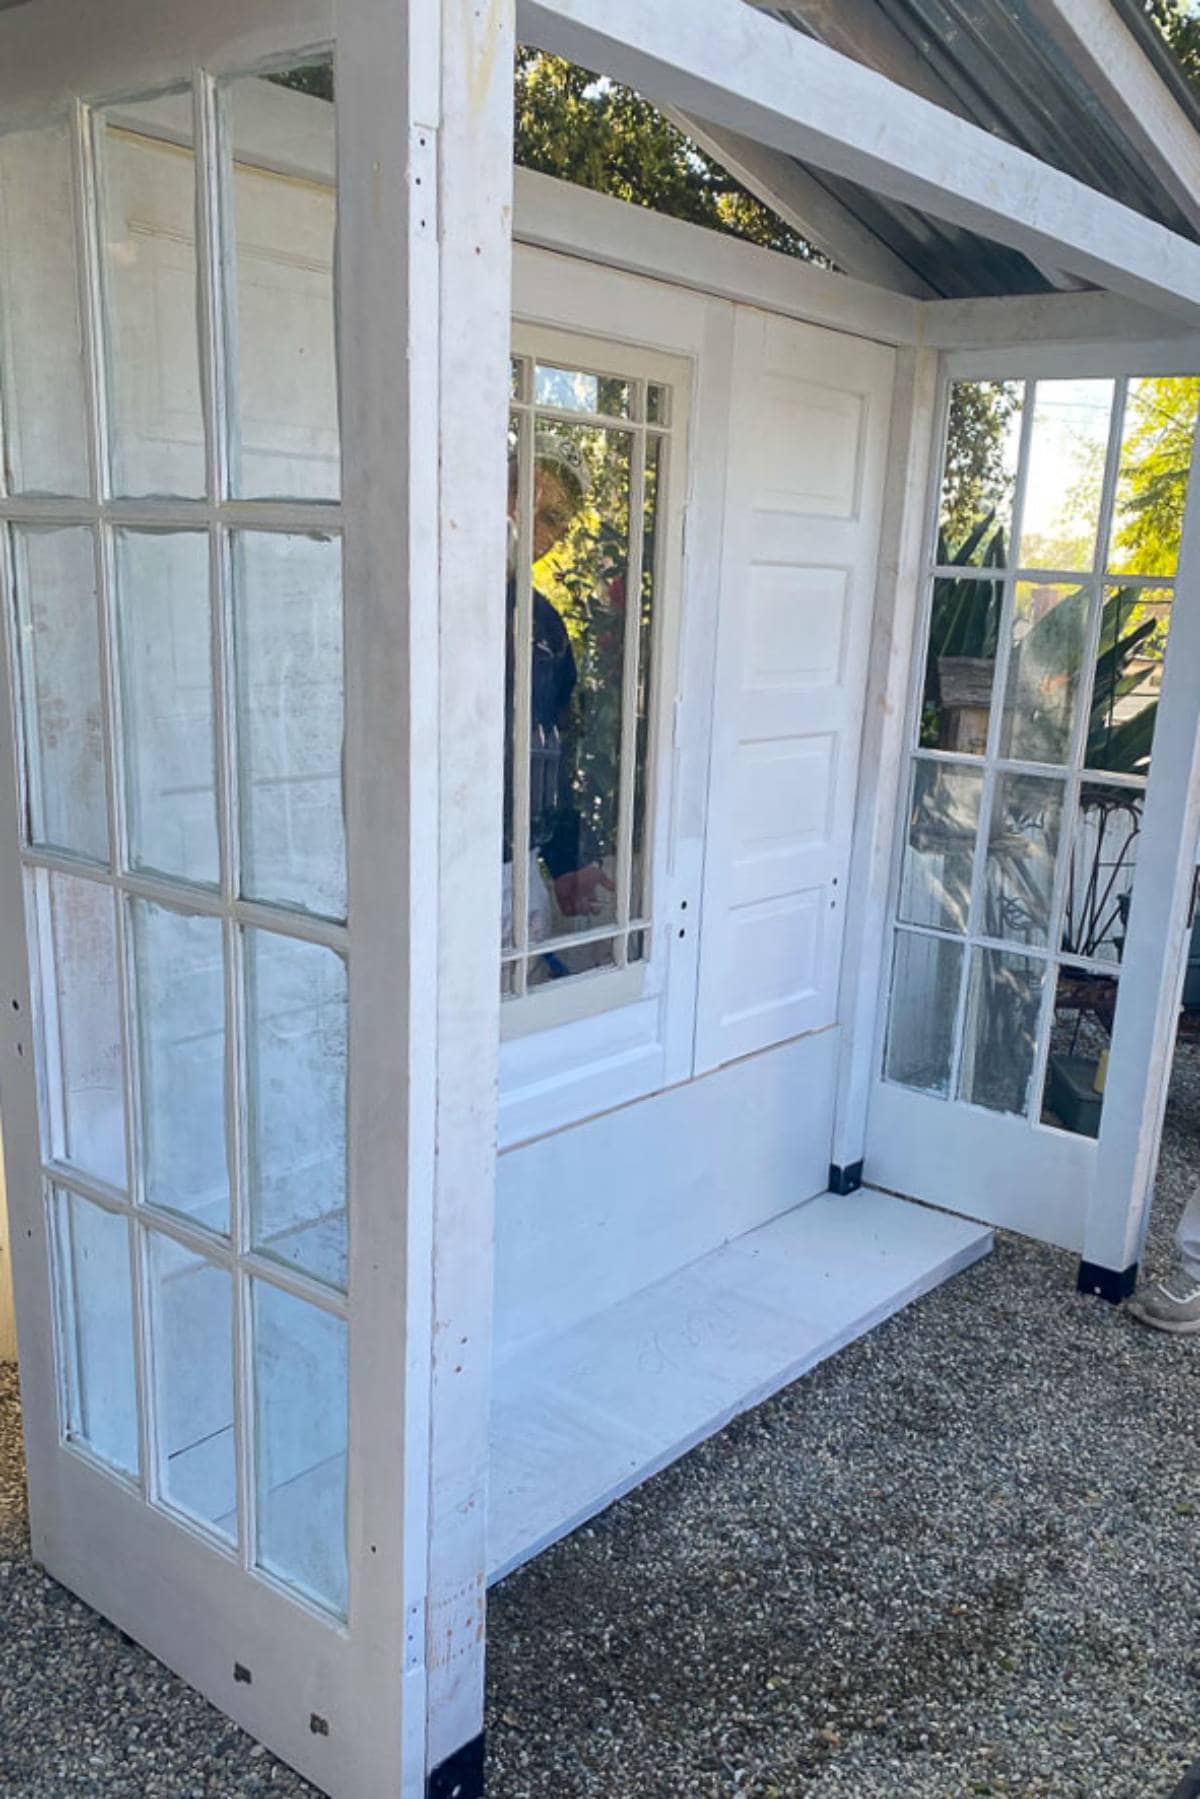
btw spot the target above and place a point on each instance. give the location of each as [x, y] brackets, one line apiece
[288, 628]
[296, 1052]
[1004, 997]
[1104, 847]
[964, 628]
[300, 1387]
[639, 901]
[935, 887]
[280, 131]
[1128, 678]
[923, 1011]
[192, 1313]
[95, 1330]
[573, 390]
[1021, 858]
[59, 649]
[581, 555]
[148, 237]
[84, 1067]
[658, 404]
[1049, 628]
[181, 1028]
[60, 673]
[983, 437]
[41, 342]
[1065, 478]
[1077, 1067]
[1156, 451]
[167, 703]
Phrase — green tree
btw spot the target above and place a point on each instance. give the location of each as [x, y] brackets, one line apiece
[590, 130]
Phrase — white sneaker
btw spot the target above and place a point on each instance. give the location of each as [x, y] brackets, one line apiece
[1171, 1305]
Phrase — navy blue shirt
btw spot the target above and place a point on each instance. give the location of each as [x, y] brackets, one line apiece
[555, 827]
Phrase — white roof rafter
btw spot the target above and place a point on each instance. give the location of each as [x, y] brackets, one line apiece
[720, 60]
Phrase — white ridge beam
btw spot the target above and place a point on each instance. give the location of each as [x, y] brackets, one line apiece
[1105, 54]
[725, 62]
[800, 201]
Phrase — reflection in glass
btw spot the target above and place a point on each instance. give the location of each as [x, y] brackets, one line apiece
[572, 390]
[639, 902]
[180, 986]
[1048, 631]
[59, 653]
[983, 442]
[301, 1406]
[1077, 1067]
[1022, 855]
[922, 1013]
[1065, 477]
[84, 1068]
[41, 344]
[148, 243]
[581, 496]
[935, 887]
[1100, 874]
[1128, 678]
[964, 629]
[1156, 450]
[282, 337]
[192, 1312]
[296, 1053]
[288, 634]
[164, 634]
[1004, 996]
[95, 1330]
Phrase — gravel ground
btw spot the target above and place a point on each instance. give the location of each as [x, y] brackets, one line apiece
[959, 1558]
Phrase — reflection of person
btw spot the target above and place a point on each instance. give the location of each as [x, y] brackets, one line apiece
[556, 830]
[1174, 1304]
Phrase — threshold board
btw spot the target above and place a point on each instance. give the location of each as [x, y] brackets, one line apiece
[580, 1419]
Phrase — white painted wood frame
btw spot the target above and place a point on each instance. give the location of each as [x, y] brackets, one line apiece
[399, 1687]
[753, 75]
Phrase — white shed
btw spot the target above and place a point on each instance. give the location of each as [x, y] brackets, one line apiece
[407, 1154]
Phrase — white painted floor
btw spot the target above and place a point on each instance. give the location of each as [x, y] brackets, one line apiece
[579, 1419]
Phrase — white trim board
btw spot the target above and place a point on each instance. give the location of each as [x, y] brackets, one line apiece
[771, 83]
[582, 1420]
[558, 215]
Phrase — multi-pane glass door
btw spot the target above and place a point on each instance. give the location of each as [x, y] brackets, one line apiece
[1050, 592]
[172, 578]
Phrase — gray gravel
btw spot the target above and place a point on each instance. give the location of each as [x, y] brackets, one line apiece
[960, 1558]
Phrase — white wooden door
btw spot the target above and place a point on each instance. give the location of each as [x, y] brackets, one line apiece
[218, 893]
[808, 444]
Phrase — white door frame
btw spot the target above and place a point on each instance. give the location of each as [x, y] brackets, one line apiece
[424, 129]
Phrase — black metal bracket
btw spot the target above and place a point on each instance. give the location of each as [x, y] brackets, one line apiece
[1111, 1284]
[460, 1776]
[847, 1179]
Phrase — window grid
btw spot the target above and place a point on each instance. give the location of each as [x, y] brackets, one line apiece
[1071, 775]
[526, 413]
[219, 517]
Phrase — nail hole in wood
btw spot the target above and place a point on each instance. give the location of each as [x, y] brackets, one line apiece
[242, 1673]
[318, 1725]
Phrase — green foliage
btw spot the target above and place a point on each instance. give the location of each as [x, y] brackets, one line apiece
[578, 127]
[1160, 420]
[976, 479]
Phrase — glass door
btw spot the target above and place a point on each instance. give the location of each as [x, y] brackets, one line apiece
[172, 574]
[1049, 604]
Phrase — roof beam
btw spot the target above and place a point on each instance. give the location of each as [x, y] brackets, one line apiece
[800, 201]
[1106, 56]
[725, 62]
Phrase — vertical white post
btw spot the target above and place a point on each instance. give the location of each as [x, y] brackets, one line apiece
[883, 760]
[474, 181]
[1152, 967]
[425, 148]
